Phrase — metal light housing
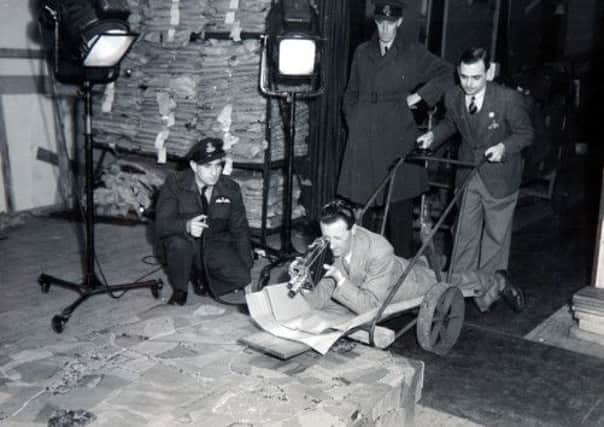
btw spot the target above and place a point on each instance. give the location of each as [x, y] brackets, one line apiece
[89, 38]
[294, 39]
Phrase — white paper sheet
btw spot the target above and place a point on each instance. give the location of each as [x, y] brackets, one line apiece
[293, 318]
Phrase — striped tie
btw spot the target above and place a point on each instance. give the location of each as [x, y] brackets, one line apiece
[472, 108]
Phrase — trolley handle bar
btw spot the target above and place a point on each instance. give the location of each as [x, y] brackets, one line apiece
[380, 187]
[428, 158]
[419, 253]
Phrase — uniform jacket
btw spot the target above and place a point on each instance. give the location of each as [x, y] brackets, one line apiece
[502, 118]
[179, 201]
[373, 271]
[381, 127]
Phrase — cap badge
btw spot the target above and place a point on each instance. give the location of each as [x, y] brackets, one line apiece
[210, 148]
[386, 10]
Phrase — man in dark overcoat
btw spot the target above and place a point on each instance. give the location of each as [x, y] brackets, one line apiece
[494, 125]
[202, 226]
[389, 76]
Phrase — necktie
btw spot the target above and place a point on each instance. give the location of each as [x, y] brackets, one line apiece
[346, 266]
[385, 50]
[472, 108]
[204, 200]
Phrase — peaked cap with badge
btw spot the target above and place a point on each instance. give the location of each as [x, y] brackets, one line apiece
[388, 10]
[206, 150]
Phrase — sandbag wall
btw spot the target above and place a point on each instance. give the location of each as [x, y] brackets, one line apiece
[177, 85]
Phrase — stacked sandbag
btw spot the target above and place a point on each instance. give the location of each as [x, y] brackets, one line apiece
[229, 103]
[117, 107]
[183, 87]
[279, 130]
[251, 188]
[232, 16]
[171, 22]
[128, 188]
[169, 111]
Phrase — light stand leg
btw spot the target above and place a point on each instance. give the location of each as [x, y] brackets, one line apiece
[287, 252]
[286, 228]
[90, 285]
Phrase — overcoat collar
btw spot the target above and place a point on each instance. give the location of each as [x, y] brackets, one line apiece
[375, 53]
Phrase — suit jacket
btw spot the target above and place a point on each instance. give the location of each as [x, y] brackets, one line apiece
[381, 127]
[179, 201]
[373, 271]
[502, 118]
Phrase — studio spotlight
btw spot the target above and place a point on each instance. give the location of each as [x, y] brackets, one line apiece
[292, 42]
[296, 39]
[290, 71]
[86, 40]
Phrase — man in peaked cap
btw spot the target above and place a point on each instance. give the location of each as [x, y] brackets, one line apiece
[389, 76]
[202, 227]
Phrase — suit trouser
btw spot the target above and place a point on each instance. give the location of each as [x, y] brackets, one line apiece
[484, 229]
[222, 265]
[486, 286]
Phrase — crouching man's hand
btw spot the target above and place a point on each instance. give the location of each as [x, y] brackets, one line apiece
[195, 226]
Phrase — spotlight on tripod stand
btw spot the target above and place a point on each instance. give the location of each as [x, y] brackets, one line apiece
[87, 40]
[289, 71]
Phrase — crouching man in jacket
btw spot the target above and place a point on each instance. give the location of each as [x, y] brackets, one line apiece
[202, 226]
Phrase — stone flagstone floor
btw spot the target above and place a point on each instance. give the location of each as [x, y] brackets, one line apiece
[135, 361]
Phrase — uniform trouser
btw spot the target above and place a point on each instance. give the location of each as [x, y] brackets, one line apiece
[484, 229]
[400, 227]
[221, 265]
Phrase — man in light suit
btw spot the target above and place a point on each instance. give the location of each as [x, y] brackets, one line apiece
[494, 124]
[365, 269]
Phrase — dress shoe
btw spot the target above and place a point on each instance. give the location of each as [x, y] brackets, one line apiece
[511, 294]
[199, 283]
[199, 287]
[235, 297]
[178, 297]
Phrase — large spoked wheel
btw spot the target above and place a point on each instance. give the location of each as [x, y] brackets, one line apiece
[440, 318]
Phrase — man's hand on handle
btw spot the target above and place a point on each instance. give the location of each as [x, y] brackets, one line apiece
[425, 141]
[496, 153]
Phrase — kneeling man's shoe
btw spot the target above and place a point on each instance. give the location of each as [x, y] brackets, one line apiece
[199, 287]
[511, 294]
[178, 297]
